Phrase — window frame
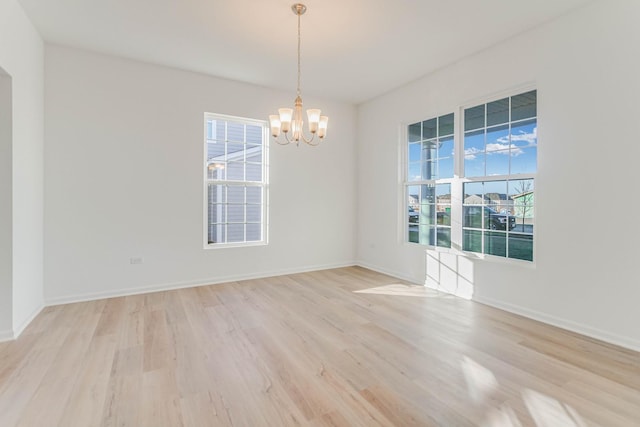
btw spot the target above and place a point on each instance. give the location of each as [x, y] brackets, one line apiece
[460, 158]
[263, 184]
[407, 183]
[460, 179]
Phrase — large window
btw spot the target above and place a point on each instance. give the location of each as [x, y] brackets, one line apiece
[428, 188]
[235, 180]
[500, 162]
[493, 178]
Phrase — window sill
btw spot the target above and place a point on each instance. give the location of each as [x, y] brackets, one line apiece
[215, 246]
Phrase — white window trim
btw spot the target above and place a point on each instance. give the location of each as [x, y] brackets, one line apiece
[264, 184]
[405, 183]
[457, 182]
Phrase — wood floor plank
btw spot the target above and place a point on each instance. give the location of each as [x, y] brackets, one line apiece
[86, 401]
[37, 392]
[341, 347]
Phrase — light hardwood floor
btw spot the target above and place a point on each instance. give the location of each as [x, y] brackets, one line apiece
[343, 347]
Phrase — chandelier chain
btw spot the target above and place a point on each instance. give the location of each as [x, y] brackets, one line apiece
[298, 89]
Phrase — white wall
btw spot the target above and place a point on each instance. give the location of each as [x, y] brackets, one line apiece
[22, 58]
[6, 204]
[123, 179]
[585, 67]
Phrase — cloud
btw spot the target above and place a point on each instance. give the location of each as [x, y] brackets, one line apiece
[531, 138]
[505, 145]
[470, 153]
[499, 148]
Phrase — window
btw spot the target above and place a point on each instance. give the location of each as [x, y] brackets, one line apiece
[428, 187]
[235, 180]
[500, 162]
[493, 176]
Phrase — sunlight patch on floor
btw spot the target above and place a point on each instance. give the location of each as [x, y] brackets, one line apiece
[482, 386]
[549, 412]
[480, 381]
[398, 289]
[503, 416]
[545, 411]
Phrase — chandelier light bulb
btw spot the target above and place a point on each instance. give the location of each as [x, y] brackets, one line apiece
[322, 126]
[274, 124]
[285, 118]
[314, 119]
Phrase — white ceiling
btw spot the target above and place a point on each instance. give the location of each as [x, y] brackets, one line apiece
[352, 50]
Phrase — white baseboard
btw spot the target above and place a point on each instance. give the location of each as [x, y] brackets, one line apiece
[562, 323]
[91, 296]
[6, 336]
[20, 329]
[10, 335]
[388, 272]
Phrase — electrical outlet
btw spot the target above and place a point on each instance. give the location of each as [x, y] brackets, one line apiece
[135, 260]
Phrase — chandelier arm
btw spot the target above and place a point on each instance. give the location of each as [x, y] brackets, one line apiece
[304, 138]
[287, 141]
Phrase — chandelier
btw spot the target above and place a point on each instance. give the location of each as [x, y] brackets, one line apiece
[289, 120]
